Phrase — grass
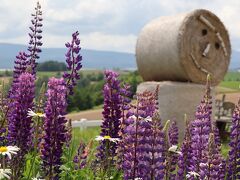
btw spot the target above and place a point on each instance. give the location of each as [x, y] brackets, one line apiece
[88, 134]
[232, 76]
[85, 136]
[48, 74]
[224, 149]
[230, 84]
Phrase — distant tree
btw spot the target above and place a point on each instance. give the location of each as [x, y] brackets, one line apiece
[100, 77]
[52, 66]
[8, 73]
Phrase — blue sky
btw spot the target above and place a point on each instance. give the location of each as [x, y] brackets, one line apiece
[104, 24]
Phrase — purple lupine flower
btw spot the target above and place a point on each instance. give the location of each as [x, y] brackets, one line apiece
[172, 156]
[54, 127]
[3, 131]
[80, 159]
[157, 151]
[184, 158]
[200, 131]
[217, 138]
[20, 65]
[35, 39]
[77, 158]
[214, 168]
[73, 59]
[173, 134]
[147, 107]
[19, 123]
[125, 100]
[234, 153]
[68, 133]
[131, 140]
[125, 107]
[111, 118]
[139, 138]
[148, 103]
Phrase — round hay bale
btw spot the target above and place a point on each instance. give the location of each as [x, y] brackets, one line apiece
[184, 47]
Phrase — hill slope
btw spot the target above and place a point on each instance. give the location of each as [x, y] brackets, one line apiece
[93, 59]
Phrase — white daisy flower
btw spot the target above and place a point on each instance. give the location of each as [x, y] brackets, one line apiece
[133, 117]
[31, 113]
[203, 164]
[192, 173]
[174, 149]
[8, 150]
[5, 173]
[148, 119]
[101, 138]
[37, 178]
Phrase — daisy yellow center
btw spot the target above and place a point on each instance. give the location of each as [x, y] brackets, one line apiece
[3, 149]
[107, 137]
[39, 114]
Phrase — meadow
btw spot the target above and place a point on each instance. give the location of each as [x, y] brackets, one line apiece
[132, 143]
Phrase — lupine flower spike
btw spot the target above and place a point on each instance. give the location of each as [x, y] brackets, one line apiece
[54, 127]
[139, 138]
[110, 127]
[73, 59]
[174, 152]
[234, 153]
[185, 156]
[201, 128]
[80, 160]
[214, 167]
[35, 39]
[125, 107]
[19, 123]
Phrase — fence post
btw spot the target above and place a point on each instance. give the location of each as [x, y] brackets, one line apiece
[83, 123]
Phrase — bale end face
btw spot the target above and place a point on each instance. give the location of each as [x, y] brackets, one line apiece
[185, 47]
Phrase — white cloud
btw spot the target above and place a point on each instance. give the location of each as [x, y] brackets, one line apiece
[104, 24]
[101, 41]
[95, 40]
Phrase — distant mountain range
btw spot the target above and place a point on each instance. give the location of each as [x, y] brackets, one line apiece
[93, 59]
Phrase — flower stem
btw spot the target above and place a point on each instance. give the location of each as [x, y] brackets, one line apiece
[35, 148]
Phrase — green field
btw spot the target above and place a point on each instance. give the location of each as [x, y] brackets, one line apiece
[232, 76]
[85, 135]
[230, 84]
[48, 74]
[231, 81]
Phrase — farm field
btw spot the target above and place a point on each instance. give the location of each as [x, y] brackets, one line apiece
[230, 84]
[95, 114]
[230, 87]
[86, 134]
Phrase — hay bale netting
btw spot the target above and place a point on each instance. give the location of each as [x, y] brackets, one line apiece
[184, 47]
